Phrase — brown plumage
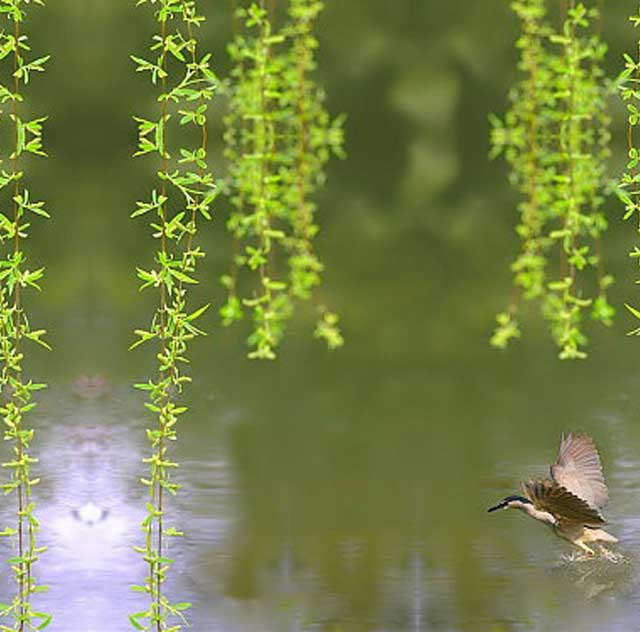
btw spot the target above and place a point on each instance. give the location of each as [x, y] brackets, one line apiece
[566, 507]
[579, 470]
[571, 501]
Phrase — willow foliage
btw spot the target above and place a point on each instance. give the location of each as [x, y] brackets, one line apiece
[15, 328]
[629, 185]
[184, 192]
[556, 139]
[279, 137]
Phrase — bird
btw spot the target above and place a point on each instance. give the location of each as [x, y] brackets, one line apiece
[570, 502]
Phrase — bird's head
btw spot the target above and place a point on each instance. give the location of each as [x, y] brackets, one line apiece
[510, 502]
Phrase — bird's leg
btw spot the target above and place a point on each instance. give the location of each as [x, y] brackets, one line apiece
[607, 553]
[583, 547]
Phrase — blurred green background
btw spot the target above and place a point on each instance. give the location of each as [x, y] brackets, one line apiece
[372, 466]
[417, 224]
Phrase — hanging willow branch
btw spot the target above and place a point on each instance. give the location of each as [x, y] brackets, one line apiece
[15, 277]
[629, 185]
[254, 163]
[314, 137]
[526, 139]
[279, 138]
[580, 182]
[184, 195]
[556, 138]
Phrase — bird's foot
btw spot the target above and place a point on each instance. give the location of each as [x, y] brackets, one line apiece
[577, 556]
[587, 552]
[610, 556]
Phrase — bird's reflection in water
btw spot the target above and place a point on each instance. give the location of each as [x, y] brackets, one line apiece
[611, 574]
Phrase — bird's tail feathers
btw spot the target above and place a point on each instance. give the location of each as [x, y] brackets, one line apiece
[600, 535]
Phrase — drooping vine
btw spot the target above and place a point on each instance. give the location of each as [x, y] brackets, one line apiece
[526, 139]
[181, 198]
[583, 141]
[17, 211]
[629, 185]
[314, 137]
[556, 138]
[279, 137]
[254, 162]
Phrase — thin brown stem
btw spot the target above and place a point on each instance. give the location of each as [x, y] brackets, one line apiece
[262, 149]
[570, 147]
[25, 571]
[630, 140]
[204, 141]
[235, 242]
[158, 491]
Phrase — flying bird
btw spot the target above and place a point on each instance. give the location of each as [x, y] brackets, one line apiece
[571, 501]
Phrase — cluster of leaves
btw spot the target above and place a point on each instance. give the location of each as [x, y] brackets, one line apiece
[556, 139]
[183, 196]
[629, 185]
[524, 137]
[16, 390]
[279, 138]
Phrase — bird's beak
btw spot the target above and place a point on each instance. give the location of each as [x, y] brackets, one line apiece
[501, 505]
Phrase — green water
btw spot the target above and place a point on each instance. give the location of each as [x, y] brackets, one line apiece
[340, 492]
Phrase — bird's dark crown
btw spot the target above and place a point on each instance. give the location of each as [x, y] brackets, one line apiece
[506, 500]
[522, 499]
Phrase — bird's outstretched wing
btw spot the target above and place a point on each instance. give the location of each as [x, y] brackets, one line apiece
[565, 506]
[578, 469]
